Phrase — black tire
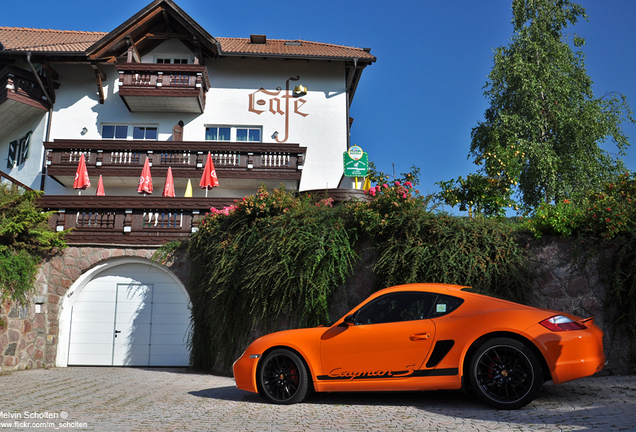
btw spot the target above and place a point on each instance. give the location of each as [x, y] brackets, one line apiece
[505, 373]
[283, 377]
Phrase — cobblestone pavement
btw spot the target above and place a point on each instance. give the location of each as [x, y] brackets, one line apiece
[139, 399]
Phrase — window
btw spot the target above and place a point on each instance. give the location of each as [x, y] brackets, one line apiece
[19, 151]
[444, 305]
[233, 133]
[172, 60]
[144, 133]
[114, 132]
[395, 307]
[120, 132]
[406, 306]
[217, 134]
[245, 134]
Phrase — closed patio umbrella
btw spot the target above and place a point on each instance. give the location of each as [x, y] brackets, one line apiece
[81, 176]
[100, 187]
[208, 179]
[145, 181]
[168, 186]
[188, 191]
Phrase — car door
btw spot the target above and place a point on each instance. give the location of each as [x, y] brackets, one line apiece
[389, 339]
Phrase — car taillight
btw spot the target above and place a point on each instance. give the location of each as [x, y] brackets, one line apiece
[561, 323]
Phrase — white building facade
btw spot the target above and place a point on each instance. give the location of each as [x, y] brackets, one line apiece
[157, 89]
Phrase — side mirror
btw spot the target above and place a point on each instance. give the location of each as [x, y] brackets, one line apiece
[349, 321]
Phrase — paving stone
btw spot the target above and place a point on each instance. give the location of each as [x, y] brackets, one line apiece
[171, 399]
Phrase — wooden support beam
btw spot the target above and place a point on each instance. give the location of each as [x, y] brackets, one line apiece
[133, 54]
[99, 76]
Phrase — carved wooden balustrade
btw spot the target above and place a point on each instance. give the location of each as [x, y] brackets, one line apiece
[21, 85]
[182, 87]
[122, 158]
[127, 219]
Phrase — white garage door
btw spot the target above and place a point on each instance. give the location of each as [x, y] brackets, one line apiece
[130, 315]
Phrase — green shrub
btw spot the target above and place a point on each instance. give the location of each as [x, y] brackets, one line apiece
[25, 238]
[604, 214]
[271, 259]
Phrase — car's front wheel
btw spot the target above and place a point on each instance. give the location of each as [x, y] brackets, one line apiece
[283, 377]
[505, 373]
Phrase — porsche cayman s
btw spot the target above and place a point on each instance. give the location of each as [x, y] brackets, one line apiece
[426, 337]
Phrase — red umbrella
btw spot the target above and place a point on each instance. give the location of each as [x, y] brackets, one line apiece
[100, 187]
[145, 181]
[168, 186]
[81, 176]
[208, 179]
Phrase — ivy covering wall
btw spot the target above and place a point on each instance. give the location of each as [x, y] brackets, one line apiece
[274, 260]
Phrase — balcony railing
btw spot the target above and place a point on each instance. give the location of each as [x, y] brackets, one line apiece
[21, 99]
[148, 221]
[121, 158]
[127, 219]
[164, 87]
[19, 83]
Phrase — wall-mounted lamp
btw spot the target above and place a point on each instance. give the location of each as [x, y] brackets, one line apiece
[300, 90]
[84, 131]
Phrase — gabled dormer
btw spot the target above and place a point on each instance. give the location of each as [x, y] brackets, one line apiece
[164, 84]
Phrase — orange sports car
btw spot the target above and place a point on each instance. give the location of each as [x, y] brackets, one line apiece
[426, 337]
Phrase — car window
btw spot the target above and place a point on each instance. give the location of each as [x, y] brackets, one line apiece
[444, 305]
[395, 307]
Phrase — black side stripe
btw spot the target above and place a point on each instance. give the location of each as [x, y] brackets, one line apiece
[417, 373]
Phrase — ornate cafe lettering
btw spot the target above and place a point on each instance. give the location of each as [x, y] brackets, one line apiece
[263, 100]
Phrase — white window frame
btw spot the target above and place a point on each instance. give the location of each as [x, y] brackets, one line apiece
[145, 127]
[233, 132]
[130, 130]
[172, 59]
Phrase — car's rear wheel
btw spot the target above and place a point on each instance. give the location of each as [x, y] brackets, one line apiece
[505, 373]
[283, 377]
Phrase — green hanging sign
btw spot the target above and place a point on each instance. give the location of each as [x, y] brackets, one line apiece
[356, 162]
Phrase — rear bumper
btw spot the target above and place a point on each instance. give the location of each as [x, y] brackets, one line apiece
[571, 354]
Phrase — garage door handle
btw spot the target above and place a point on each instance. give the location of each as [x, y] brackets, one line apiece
[420, 337]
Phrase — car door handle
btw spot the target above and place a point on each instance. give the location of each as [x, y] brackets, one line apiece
[420, 336]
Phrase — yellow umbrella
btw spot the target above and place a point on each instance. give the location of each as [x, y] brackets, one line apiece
[367, 184]
[188, 192]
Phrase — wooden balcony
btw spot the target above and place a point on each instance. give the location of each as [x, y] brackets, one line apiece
[120, 161]
[127, 219]
[21, 99]
[148, 220]
[153, 87]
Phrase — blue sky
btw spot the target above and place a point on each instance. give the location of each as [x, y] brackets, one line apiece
[418, 103]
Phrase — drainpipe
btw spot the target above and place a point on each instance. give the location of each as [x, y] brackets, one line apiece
[348, 87]
[48, 123]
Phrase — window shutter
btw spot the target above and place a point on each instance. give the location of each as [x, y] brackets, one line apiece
[24, 147]
[13, 150]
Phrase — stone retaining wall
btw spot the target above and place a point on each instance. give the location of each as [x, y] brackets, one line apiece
[29, 334]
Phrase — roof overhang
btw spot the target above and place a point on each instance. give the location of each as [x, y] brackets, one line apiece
[159, 21]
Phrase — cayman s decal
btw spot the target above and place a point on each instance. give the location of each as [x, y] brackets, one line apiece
[341, 374]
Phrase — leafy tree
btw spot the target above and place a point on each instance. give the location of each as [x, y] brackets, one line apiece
[544, 125]
[25, 237]
[477, 194]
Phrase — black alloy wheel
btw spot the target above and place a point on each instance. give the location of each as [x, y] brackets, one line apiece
[505, 373]
[283, 377]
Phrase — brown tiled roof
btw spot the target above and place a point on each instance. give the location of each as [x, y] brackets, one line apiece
[46, 40]
[287, 48]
